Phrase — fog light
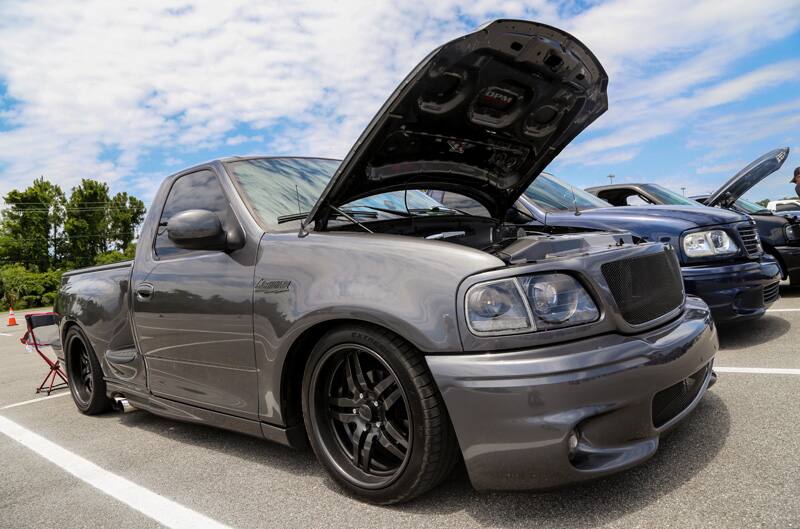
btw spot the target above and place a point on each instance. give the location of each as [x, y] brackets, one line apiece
[572, 443]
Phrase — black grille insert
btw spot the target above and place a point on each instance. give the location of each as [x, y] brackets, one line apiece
[772, 293]
[669, 403]
[750, 241]
[645, 287]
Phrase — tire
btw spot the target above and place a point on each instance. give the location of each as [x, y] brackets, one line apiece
[388, 403]
[84, 374]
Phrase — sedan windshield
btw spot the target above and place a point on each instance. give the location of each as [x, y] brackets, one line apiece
[666, 197]
[551, 194]
[751, 208]
[279, 187]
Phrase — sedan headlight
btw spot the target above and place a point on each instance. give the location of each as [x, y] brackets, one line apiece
[792, 232]
[528, 303]
[707, 243]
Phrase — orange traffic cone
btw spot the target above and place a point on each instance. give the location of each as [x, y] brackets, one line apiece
[12, 320]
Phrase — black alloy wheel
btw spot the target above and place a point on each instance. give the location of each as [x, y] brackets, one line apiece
[84, 375]
[374, 416]
[359, 397]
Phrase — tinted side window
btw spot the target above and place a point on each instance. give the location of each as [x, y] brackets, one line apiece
[637, 200]
[200, 190]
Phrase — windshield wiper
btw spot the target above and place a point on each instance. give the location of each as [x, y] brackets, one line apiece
[342, 213]
[382, 210]
[437, 209]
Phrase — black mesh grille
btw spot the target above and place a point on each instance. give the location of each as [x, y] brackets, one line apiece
[771, 293]
[645, 287]
[669, 403]
[749, 237]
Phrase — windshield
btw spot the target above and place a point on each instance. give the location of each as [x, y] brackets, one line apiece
[751, 208]
[667, 197]
[551, 194]
[275, 187]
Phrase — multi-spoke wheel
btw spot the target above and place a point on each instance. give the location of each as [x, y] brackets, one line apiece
[84, 374]
[373, 415]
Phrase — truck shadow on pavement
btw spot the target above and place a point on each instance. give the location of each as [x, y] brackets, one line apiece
[247, 448]
[682, 454]
[756, 332]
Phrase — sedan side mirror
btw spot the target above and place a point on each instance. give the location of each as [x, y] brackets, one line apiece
[197, 229]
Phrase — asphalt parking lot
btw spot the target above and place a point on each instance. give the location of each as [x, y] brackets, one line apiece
[734, 463]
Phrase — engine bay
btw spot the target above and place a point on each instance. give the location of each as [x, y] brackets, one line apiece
[513, 243]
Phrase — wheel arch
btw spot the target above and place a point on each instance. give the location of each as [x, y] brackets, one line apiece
[65, 328]
[297, 356]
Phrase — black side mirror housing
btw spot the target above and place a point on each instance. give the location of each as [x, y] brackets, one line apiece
[197, 229]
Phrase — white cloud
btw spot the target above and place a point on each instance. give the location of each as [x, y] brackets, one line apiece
[729, 168]
[91, 77]
[241, 138]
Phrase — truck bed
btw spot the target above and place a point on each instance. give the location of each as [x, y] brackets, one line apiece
[98, 297]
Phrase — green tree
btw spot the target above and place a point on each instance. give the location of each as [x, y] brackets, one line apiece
[87, 222]
[116, 256]
[30, 226]
[15, 281]
[125, 214]
[763, 203]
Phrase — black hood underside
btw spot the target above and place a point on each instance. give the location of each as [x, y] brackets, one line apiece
[482, 115]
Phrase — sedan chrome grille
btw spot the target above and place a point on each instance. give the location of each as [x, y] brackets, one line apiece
[750, 240]
[771, 293]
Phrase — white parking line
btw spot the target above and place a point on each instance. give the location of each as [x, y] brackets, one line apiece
[783, 310]
[24, 402]
[758, 370]
[147, 502]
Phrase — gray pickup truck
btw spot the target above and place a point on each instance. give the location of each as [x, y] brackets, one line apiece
[307, 300]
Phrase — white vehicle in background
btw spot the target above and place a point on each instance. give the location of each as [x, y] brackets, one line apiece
[784, 205]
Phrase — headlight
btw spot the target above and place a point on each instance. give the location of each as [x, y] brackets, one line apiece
[706, 243]
[792, 232]
[528, 303]
[558, 300]
[497, 308]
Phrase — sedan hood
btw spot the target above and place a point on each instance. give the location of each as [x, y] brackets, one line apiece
[482, 116]
[688, 216]
[748, 177]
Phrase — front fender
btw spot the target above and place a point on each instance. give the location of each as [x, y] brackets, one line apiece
[403, 284]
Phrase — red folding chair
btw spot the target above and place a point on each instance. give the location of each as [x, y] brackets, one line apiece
[46, 336]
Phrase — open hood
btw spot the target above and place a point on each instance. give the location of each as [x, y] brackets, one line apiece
[748, 177]
[482, 116]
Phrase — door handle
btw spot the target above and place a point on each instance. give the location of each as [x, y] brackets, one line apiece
[144, 291]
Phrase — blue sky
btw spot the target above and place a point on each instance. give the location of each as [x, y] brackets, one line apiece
[130, 93]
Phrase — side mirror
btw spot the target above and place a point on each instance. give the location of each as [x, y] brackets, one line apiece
[197, 229]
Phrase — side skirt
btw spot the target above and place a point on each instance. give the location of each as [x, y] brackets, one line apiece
[292, 436]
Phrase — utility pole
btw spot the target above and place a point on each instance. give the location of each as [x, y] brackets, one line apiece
[611, 179]
[683, 189]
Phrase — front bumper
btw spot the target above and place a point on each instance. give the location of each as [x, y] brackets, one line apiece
[737, 291]
[513, 412]
[791, 260]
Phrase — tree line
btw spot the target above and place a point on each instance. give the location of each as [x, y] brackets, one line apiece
[44, 232]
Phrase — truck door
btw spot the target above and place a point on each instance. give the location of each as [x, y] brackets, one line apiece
[193, 309]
